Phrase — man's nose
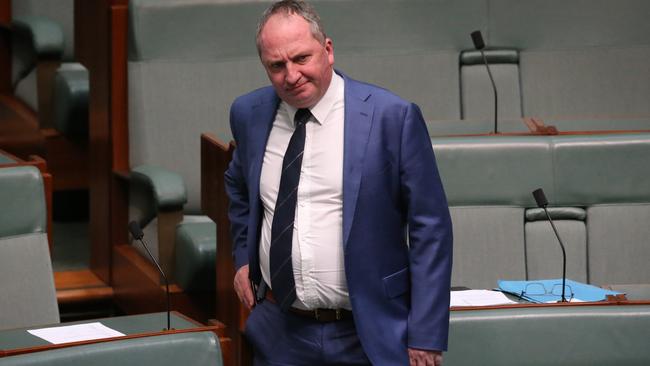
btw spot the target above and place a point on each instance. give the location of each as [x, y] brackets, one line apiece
[293, 74]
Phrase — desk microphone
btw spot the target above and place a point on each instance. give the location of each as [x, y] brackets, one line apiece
[540, 198]
[477, 39]
[137, 234]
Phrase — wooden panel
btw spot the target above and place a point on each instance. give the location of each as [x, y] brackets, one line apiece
[5, 47]
[19, 131]
[80, 286]
[92, 49]
[45, 72]
[215, 157]
[67, 160]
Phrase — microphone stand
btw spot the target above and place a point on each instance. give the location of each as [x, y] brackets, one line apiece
[479, 44]
[494, 89]
[540, 198]
[137, 234]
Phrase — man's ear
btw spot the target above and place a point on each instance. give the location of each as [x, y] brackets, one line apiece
[329, 48]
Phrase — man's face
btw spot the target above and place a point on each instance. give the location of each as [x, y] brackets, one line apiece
[299, 67]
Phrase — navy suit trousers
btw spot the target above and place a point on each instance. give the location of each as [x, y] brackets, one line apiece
[280, 338]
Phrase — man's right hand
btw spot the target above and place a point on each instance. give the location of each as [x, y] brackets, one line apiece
[243, 287]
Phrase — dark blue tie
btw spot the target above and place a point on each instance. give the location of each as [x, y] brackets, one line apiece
[282, 281]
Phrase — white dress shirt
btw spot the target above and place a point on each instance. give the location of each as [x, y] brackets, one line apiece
[317, 246]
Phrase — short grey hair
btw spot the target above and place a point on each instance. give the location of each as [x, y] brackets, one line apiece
[289, 7]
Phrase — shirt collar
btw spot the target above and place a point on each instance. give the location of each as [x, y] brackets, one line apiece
[334, 93]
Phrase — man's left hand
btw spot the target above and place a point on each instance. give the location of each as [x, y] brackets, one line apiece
[420, 357]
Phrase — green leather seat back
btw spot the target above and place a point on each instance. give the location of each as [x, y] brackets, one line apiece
[26, 279]
[488, 181]
[476, 88]
[544, 255]
[182, 77]
[494, 171]
[410, 48]
[597, 187]
[609, 175]
[61, 13]
[578, 59]
[197, 349]
[576, 335]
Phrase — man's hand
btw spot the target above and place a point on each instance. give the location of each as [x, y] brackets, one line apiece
[243, 287]
[420, 357]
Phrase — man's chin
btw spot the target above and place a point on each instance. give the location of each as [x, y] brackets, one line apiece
[299, 102]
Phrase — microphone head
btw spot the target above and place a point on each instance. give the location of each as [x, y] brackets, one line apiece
[135, 230]
[540, 198]
[477, 38]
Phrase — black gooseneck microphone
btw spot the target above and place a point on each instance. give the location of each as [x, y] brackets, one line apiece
[136, 232]
[542, 202]
[477, 38]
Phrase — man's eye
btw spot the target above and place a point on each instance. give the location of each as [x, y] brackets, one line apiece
[302, 59]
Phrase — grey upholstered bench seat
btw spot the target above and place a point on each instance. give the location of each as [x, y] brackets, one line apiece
[597, 186]
[557, 335]
[26, 280]
[194, 348]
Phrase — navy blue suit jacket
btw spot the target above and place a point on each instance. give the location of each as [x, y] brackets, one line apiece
[399, 287]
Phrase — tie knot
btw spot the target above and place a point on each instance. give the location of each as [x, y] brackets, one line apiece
[301, 117]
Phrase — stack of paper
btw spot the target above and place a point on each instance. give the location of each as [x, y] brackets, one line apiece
[478, 298]
[75, 333]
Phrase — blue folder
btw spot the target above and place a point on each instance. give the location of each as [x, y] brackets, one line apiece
[542, 291]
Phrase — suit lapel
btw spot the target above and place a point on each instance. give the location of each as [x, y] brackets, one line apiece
[261, 122]
[358, 121]
[262, 117]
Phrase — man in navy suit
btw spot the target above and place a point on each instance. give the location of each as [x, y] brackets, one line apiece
[370, 239]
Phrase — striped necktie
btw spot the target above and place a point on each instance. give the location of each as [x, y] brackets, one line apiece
[282, 281]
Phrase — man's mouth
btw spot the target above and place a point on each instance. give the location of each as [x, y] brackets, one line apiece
[296, 88]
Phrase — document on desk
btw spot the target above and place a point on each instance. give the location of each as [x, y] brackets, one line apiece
[479, 298]
[75, 333]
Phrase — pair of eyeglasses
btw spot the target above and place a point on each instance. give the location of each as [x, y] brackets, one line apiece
[537, 290]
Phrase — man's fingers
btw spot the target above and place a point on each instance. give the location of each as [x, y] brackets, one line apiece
[418, 357]
[243, 287]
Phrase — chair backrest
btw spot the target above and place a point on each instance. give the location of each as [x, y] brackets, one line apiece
[477, 99]
[26, 278]
[59, 11]
[578, 60]
[550, 335]
[184, 75]
[597, 186]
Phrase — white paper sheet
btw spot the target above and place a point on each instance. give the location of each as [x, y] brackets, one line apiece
[479, 298]
[75, 333]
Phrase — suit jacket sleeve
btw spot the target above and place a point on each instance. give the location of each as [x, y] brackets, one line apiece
[430, 236]
[237, 189]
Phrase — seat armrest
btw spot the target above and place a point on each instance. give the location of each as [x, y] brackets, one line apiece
[167, 187]
[46, 35]
[70, 94]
